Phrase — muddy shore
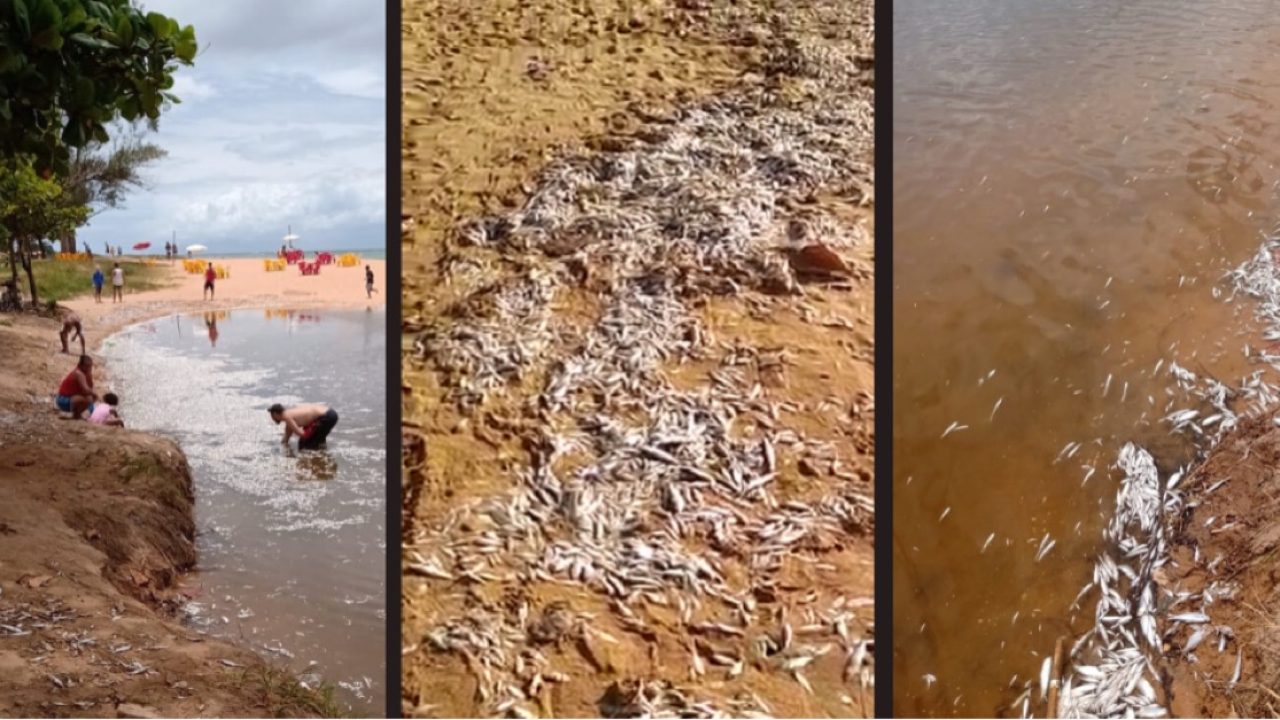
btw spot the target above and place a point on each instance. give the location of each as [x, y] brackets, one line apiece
[96, 532]
[1227, 543]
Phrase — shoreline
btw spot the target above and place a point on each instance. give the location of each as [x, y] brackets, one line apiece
[1208, 551]
[96, 532]
[136, 567]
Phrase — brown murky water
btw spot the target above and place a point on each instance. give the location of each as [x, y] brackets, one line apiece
[1071, 181]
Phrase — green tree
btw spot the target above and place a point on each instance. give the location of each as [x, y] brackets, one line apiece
[31, 210]
[100, 178]
[68, 68]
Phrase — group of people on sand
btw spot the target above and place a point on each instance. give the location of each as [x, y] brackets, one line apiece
[117, 283]
[170, 250]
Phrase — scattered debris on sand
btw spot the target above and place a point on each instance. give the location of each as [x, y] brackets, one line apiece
[669, 528]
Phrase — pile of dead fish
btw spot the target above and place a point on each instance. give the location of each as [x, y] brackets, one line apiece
[636, 490]
[1111, 673]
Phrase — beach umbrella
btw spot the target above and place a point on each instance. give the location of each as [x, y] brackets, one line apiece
[196, 248]
[141, 245]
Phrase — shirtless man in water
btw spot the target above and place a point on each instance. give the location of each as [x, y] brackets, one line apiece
[310, 422]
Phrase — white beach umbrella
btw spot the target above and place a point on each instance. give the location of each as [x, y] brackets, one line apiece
[196, 248]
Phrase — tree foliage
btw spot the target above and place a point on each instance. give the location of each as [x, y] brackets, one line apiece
[31, 210]
[68, 68]
[101, 177]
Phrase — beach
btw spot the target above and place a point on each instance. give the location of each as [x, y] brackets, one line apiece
[98, 530]
[247, 285]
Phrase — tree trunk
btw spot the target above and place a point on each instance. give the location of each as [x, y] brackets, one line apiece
[13, 260]
[68, 242]
[31, 276]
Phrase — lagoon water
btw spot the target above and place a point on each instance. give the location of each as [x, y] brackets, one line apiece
[1071, 180]
[291, 545]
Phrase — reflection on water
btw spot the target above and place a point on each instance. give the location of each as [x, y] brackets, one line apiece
[291, 543]
[1071, 179]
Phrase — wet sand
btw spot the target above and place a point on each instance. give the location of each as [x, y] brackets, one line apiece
[1072, 181]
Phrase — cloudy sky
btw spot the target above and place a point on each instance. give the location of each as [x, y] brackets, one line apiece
[282, 122]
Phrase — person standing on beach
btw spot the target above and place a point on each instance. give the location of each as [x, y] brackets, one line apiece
[209, 276]
[71, 328]
[311, 422]
[75, 394]
[117, 284]
[98, 280]
[368, 282]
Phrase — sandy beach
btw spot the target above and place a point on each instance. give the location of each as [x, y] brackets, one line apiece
[248, 285]
[500, 103]
[112, 515]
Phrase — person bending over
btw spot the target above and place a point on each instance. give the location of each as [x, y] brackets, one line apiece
[311, 422]
[75, 394]
[71, 330]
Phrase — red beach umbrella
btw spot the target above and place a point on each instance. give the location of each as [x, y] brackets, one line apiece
[141, 245]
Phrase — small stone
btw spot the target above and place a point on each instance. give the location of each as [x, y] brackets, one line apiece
[130, 710]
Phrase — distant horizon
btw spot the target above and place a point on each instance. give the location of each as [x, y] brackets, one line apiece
[217, 252]
[158, 247]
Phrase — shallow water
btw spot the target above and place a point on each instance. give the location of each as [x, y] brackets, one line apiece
[291, 545]
[1071, 180]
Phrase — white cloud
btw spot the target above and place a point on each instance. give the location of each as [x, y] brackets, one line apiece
[187, 87]
[358, 82]
[283, 122]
